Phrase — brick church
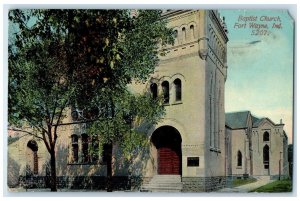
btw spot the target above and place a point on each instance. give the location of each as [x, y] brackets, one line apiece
[195, 148]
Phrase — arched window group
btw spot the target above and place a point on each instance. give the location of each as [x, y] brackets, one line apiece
[186, 33]
[85, 149]
[165, 86]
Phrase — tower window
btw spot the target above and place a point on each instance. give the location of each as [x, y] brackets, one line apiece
[153, 88]
[192, 31]
[175, 33]
[165, 88]
[177, 84]
[183, 34]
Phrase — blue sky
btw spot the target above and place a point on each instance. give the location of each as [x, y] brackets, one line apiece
[260, 67]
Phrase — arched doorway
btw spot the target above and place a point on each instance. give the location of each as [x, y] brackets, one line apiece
[266, 159]
[167, 141]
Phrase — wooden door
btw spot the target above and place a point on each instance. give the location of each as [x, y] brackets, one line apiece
[169, 161]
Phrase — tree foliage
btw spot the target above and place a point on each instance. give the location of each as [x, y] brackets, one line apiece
[86, 59]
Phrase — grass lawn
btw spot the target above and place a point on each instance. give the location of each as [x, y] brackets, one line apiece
[276, 187]
[239, 182]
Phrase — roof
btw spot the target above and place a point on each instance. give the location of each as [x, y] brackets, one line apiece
[236, 120]
[256, 121]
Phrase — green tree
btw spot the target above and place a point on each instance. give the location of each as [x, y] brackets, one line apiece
[85, 58]
[39, 93]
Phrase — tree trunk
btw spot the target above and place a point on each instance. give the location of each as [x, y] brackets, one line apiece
[53, 171]
[109, 169]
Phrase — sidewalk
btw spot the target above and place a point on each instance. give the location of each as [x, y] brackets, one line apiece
[261, 181]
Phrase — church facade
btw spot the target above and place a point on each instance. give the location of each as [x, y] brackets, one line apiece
[194, 148]
[255, 146]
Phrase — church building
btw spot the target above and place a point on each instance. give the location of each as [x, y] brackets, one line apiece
[255, 146]
[195, 147]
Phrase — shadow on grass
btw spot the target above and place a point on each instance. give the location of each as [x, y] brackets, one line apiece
[278, 186]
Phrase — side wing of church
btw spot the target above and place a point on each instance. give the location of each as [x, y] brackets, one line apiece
[255, 147]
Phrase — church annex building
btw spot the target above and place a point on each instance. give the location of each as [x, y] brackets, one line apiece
[197, 147]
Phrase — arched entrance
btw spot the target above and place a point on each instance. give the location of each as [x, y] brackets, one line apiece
[266, 159]
[167, 141]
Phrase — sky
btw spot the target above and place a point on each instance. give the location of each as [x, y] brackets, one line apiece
[260, 67]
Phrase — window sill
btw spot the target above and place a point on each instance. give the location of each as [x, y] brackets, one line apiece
[239, 167]
[177, 103]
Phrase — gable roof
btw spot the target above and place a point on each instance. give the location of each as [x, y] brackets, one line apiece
[236, 120]
[256, 121]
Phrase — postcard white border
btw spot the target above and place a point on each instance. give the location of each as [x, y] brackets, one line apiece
[291, 5]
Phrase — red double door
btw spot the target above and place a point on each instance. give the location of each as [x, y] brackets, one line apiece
[169, 160]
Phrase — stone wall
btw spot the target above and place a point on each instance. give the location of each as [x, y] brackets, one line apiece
[79, 182]
[203, 184]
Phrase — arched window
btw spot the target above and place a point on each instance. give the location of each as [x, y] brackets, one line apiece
[175, 37]
[266, 156]
[85, 148]
[239, 158]
[183, 34]
[165, 88]
[34, 148]
[192, 31]
[266, 136]
[153, 88]
[74, 139]
[175, 34]
[177, 84]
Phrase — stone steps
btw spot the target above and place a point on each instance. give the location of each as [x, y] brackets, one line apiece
[163, 183]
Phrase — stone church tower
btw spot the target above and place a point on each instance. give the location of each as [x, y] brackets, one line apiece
[189, 141]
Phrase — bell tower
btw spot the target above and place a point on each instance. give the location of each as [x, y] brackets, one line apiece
[191, 78]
